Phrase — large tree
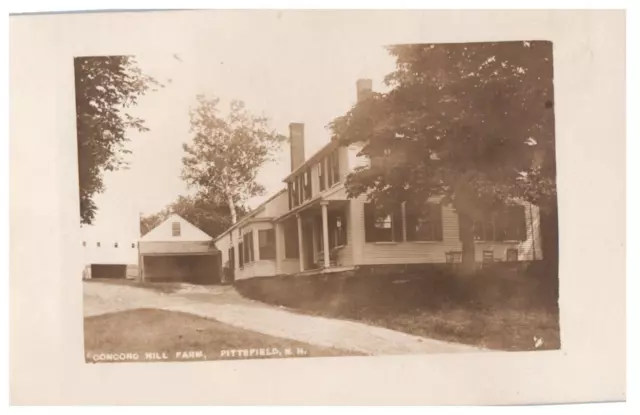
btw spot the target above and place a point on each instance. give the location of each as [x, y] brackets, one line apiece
[105, 87]
[226, 152]
[212, 217]
[471, 122]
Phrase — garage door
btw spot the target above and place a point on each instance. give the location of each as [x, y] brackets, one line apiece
[195, 269]
[108, 271]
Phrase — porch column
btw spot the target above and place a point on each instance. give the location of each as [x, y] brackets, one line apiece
[279, 247]
[300, 244]
[325, 233]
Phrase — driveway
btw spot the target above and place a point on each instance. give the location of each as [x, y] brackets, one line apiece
[224, 304]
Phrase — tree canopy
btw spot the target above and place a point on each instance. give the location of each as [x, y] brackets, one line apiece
[105, 87]
[471, 122]
[226, 152]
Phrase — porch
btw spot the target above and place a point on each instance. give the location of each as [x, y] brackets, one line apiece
[319, 231]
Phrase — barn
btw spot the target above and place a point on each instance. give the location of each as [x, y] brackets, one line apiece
[110, 251]
[178, 251]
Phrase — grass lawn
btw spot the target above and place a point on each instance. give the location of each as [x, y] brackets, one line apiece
[159, 335]
[499, 329]
[492, 311]
[509, 330]
[162, 287]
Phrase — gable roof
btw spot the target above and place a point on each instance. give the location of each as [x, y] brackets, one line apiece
[249, 216]
[188, 232]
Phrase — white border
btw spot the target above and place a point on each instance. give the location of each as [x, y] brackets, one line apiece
[633, 131]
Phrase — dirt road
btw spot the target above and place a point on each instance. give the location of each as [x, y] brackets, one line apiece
[224, 304]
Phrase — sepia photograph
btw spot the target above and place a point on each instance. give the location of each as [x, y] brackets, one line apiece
[318, 207]
[226, 215]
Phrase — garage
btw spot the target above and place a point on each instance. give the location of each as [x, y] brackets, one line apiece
[195, 269]
[111, 271]
[178, 251]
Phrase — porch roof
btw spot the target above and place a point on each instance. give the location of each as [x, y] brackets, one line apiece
[310, 204]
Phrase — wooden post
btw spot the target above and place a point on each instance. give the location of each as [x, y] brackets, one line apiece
[325, 233]
[300, 243]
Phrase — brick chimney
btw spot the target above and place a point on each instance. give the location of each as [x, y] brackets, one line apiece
[296, 138]
[364, 88]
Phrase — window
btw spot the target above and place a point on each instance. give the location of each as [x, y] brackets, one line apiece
[515, 228]
[115, 245]
[322, 174]
[84, 243]
[267, 243]
[307, 184]
[175, 229]
[291, 197]
[133, 245]
[294, 192]
[508, 224]
[300, 181]
[425, 225]
[248, 247]
[291, 249]
[98, 244]
[381, 225]
[333, 167]
[483, 230]
[241, 254]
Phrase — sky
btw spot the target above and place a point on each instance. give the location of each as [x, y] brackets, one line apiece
[287, 75]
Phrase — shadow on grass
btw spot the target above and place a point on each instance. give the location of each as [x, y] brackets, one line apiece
[496, 308]
[160, 335]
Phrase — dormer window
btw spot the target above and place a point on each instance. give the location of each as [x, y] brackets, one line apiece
[175, 229]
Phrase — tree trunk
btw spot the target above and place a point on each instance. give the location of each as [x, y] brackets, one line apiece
[465, 223]
[465, 203]
[232, 209]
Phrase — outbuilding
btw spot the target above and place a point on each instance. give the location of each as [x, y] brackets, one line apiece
[177, 250]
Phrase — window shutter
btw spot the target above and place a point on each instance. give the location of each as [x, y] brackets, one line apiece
[369, 222]
[435, 212]
[397, 224]
[322, 174]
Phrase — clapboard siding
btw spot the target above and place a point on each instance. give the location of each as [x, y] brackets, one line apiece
[379, 253]
[374, 253]
[289, 266]
[276, 206]
[257, 268]
[260, 268]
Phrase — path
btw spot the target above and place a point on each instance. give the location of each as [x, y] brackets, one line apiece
[224, 304]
